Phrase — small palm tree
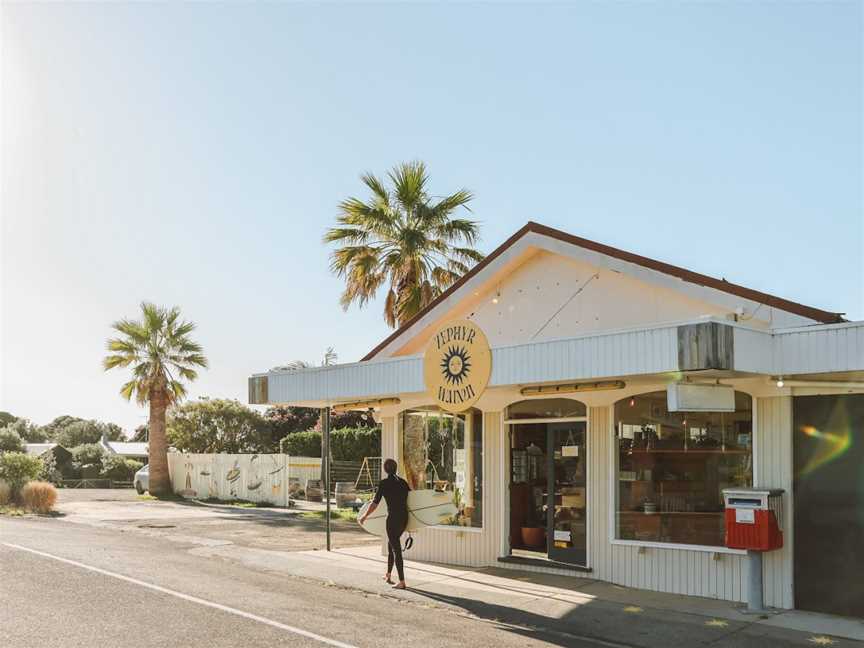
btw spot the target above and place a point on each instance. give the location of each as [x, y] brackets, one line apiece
[330, 358]
[403, 238]
[161, 355]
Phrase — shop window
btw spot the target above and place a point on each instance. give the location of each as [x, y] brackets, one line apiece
[444, 452]
[671, 468]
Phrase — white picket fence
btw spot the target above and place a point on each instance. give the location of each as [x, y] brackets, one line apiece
[252, 477]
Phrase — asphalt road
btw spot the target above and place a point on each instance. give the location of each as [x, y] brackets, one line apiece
[48, 603]
[115, 571]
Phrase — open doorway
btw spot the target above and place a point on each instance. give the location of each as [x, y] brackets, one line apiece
[548, 480]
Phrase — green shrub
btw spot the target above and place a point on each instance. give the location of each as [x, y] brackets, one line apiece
[50, 471]
[350, 444]
[10, 440]
[302, 444]
[132, 467]
[39, 496]
[354, 444]
[5, 493]
[89, 454]
[17, 468]
[117, 468]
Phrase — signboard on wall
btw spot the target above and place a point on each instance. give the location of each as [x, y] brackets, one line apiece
[457, 365]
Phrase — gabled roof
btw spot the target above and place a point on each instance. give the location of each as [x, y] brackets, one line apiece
[809, 312]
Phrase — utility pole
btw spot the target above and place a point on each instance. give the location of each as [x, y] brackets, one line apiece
[325, 460]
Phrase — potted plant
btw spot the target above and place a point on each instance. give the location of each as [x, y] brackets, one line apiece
[533, 532]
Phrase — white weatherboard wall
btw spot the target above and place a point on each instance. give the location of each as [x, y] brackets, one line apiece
[696, 572]
[255, 478]
[774, 469]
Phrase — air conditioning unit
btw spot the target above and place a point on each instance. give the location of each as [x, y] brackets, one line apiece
[691, 397]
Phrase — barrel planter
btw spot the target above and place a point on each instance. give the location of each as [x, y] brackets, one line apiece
[314, 490]
[345, 494]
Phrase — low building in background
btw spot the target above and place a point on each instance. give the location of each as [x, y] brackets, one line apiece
[137, 450]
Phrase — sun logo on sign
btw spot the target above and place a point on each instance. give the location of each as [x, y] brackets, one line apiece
[455, 365]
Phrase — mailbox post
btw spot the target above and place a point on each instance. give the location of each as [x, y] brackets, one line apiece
[754, 521]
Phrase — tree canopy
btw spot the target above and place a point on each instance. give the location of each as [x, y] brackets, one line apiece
[10, 441]
[6, 418]
[404, 240]
[29, 432]
[80, 432]
[217, 425]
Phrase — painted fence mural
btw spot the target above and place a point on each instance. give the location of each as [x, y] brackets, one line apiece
[257, 477]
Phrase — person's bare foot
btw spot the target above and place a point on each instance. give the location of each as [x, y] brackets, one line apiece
[400, 585]
[388, 580]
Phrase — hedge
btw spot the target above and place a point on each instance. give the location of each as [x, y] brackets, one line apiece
[348, 444]
[18, 468]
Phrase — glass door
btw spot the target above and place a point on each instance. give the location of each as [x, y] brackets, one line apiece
[567, 497]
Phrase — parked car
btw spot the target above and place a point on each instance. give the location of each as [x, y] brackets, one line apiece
[142, 479]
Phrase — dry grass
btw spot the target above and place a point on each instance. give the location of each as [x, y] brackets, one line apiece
[39, 496]
[5, 493]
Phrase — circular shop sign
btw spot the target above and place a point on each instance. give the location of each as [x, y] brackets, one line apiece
[457, 365]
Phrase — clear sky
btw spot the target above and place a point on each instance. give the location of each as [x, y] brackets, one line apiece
[194, 154]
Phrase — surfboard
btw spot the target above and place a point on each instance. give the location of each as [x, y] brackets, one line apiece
[425, 508]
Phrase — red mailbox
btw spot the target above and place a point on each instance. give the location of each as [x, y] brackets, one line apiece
[754, 518]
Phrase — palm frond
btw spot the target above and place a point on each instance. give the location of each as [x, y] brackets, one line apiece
[379, 191]
[112, 361]
[467, 254]
[330, 357]
[441, 210]
[458, 229]
[350, 235]
[150, 348]
[401, 238]
[409, 184]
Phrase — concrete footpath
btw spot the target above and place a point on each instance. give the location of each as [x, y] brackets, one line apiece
[561, 603]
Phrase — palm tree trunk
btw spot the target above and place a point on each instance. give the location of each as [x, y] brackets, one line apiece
[160, 482]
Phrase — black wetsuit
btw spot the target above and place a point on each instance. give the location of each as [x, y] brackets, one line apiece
[394, 490]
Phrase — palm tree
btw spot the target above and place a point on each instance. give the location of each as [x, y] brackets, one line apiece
[161, 355]
[403, 238]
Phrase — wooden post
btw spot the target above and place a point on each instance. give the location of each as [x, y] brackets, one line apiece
[325, 462]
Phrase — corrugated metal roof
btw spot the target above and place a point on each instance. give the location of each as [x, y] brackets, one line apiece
[133, 448]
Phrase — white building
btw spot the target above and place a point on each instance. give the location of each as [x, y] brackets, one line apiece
[573, 460]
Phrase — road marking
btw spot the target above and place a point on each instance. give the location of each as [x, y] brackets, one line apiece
[187, 597]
